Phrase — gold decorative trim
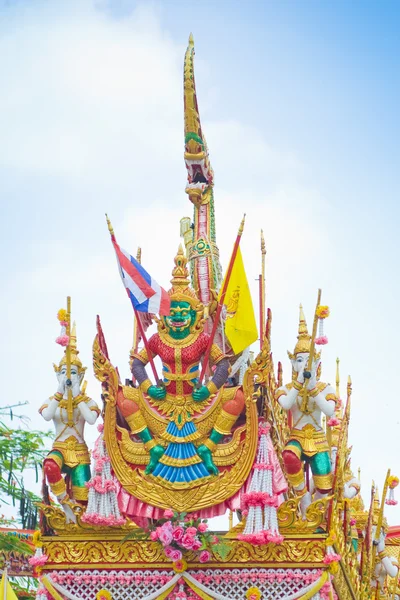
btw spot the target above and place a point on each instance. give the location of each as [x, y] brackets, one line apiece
[180, 462]
[225, 422]
[114, 553]
[144, 386]
[323, 482]
[58, 487]
[136, 422]
[80, 493]
[296, 479]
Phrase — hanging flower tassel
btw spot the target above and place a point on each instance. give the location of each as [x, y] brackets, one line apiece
[260, 503]
[393, 482]
[322, 314]
[102, 508]
[38, 559]
[63, 339]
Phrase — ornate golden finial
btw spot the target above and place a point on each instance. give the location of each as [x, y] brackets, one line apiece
[192, 117]
[241, 228]
[110, 227]
[263, 248]
[337, 378]
[180, 273]
[304, 338]
[180, 281]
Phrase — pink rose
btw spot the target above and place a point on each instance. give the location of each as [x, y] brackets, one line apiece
[176, 555]
[164, 535]
[177, 533]
[169, 550]
[187, 541]
[202, 527]
[154, 536]
[191, 531]
[204, 556]
[168, 513]
[196, 544]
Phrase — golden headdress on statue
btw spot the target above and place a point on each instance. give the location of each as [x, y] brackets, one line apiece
[180, 290]
[75, 360]
[303, 339]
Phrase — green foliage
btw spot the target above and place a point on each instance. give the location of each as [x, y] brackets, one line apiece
[20, 450]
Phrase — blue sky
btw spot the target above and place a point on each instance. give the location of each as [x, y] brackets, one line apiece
[299, 103]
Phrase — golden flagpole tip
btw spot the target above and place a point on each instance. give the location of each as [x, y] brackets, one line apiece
[263, 248]
[110, 227]
[242, 225]
[191, 39]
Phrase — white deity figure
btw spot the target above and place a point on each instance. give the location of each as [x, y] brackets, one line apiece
[69, 454]
[385, 565]
[307, 440]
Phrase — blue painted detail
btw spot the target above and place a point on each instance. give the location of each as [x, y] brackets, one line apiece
[181, 451]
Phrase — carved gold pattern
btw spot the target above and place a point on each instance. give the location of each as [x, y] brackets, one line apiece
[96, 553]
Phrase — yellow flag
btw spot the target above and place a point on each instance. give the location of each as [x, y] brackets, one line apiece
[6, 592]
[240, 324]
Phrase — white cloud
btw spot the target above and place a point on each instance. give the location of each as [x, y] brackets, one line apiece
[93, 107]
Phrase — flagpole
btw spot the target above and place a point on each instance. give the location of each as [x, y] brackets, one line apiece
[221, 300]
[70, 406]
[262, 289]
[138, 321]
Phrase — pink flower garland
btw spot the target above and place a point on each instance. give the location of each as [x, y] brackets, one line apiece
[333, 422]
[331, 558]
[321, 341]
[260, 499]
[38, 561]
[63, 340]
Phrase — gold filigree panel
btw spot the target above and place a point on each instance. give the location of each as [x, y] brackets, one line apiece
[95, 553]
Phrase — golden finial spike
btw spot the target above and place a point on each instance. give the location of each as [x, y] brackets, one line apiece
[191, 40]
[110, 227]
[303, 331]
[263, 249]
[241, 228]
[337, 378]
[349, 380]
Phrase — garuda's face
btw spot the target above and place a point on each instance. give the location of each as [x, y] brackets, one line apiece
[180, 319]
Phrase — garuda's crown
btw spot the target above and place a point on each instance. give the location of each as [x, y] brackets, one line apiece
[75, 360]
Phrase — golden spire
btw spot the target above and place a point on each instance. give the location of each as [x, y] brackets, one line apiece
[192, 117]
[75, 360]
[304, 338]
[180, 281]
[200, 174]
[180, 273]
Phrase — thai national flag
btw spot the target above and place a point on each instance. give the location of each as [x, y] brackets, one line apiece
[145, 293]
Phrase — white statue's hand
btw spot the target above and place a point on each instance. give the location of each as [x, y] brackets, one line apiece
[62, 378]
